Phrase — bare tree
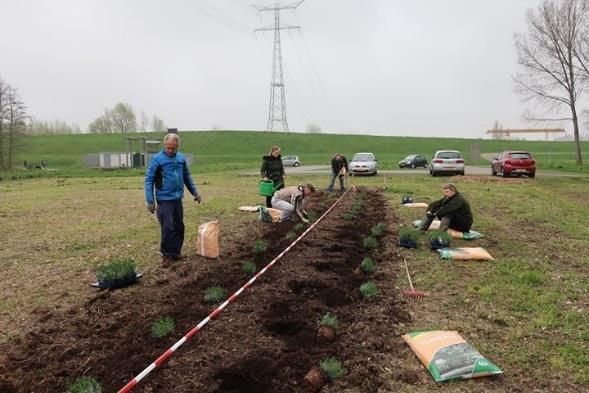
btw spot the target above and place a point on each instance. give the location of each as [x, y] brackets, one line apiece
[17, 123]
[157, 124]
[102, 124]
[123, 118]
[3, 118]
[143, 122]
[313, 128]
[43, 127]
[548, 57]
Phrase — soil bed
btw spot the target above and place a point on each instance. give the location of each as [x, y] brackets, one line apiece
[265, 342]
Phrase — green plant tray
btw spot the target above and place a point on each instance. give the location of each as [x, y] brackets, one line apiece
[117, 283]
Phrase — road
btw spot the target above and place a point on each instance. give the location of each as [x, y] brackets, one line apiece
[470, 170]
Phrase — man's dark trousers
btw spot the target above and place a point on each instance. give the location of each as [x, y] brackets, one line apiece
[171, 217]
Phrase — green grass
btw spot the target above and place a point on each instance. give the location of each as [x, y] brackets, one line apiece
[162, 327]
[370, 242]
[259, 247]
[330, 320]
[332, 368]
[409, 233]
[84, 385]
[368, 265]
[215, 295]
[249, 268]
[369, 289]
[115, 269]
[378, 229]
[218, 151]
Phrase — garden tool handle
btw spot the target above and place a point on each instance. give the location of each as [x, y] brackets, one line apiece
[408, 276]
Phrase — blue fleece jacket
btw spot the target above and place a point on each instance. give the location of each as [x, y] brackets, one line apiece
[168, 175]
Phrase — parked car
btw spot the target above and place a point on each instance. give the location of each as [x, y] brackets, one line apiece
[291, 161]
[514, 163]
[447, 161]
[363, 163]
[413, 161]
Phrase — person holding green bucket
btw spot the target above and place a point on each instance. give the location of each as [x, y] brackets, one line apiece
[272, 171]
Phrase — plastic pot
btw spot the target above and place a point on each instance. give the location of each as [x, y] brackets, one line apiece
[118, 282]
[326, 334]
[407, 243]
[315, 379]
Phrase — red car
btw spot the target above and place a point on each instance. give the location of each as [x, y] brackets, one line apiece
[513, 163]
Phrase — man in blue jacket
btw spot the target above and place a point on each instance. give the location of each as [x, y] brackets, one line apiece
[168, 172]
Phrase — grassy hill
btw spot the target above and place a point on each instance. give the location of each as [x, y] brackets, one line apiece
[237, 150]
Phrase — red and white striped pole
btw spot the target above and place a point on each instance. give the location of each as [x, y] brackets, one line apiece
[167, 354]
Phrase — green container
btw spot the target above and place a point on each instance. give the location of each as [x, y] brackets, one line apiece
[266, 187]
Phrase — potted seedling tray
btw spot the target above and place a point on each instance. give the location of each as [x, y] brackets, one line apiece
[118, 273]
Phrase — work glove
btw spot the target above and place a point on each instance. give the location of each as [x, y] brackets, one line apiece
[430, 214]
[151, 207]
[197, 198]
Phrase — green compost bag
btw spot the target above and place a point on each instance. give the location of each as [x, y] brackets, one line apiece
[448, 356]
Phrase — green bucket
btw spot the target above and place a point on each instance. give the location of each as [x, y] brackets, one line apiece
[266, 187]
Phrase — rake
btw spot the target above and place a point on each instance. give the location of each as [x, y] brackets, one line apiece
[412, 293]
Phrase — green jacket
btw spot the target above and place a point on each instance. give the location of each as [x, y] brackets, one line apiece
[456, 205]
[272, 169]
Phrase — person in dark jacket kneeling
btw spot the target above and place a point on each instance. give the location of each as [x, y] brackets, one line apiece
[452, 210]
[168, 172]
[272, 169]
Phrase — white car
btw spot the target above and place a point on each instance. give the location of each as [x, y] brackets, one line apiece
[363, 163]
[447, 161]
[291, 161]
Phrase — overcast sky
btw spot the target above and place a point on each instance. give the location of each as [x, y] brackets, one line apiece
[388, 67]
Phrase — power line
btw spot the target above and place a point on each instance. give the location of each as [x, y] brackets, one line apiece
[228, 22]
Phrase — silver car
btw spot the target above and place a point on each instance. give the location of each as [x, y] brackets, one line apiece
[363, 163]
[447, 161]
[291, 161]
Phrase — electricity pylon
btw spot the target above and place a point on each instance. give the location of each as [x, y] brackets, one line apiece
[277, 109]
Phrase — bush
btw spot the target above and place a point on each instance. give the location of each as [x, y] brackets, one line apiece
[332, 368]
[312, 216]
[300, 227]
[117, 268]
[259, 247]
[370, 242]
[368, 289]
[378, 230]
[409, 234]
[368, 265]
[249, 268]
[329, 320]
[349, 216]
[162, 327]
[85, 385]
[215, 295]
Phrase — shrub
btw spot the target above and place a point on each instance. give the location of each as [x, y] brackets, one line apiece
[117, 268]
[300, 227]
[332, 368]
[349, 216]
[329, 320]
[368, 289]
[409, 233]
[85, 385]
[215, 294]
[378, 230]
[443, 235]
[249, 268]
[259, 247]
[312, 216]
[162, 327]
[370, 242]
[368, 265]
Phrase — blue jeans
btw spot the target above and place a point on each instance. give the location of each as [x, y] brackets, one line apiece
[170, 214]
[332, 181]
